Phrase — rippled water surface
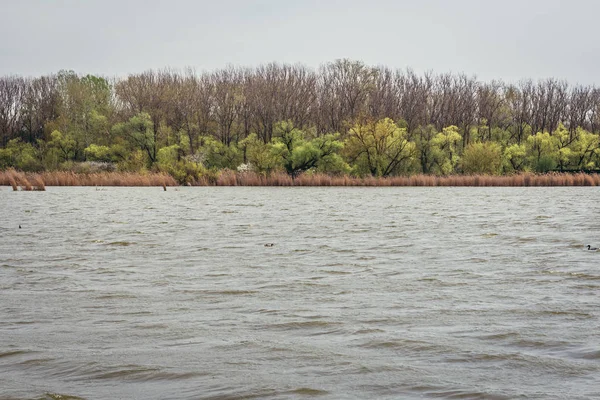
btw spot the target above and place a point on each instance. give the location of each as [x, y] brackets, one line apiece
[366, 293]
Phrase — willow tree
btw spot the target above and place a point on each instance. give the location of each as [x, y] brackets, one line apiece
[445, 146]
[541, 151]
[379, 148]
[139, 132]
[482, 158]
[299, 153]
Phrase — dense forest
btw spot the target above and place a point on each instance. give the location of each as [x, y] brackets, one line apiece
[346, 118]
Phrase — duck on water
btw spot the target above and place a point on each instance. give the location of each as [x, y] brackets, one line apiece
[591, 248]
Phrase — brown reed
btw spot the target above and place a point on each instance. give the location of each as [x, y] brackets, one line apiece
[67, 178]
[39, 181]
[11, 179]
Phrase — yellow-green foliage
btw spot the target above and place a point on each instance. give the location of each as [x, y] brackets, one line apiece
[64, 145]
[379, 148]
[139, 132]
[585, 150]
[482, 158]
[259, 155]
[95, 152]
[426, 153]
[515, 158]
[183, 170]
[445, 151]
[168, 155]
[22, 156]
[541, 151]
[215, 154]
[135, 162]
[297, 153]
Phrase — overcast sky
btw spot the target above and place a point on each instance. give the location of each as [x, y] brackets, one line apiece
[508, 39]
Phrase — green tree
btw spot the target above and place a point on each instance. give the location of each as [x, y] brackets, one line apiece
[299, 154]
[95, 152]
[515, 157]
[379, 148]
[259, 154]
[585, 149]
[482, 158]
[425, 149]
[139, 132]
[445, 151]
[20, 155]
[541, 151]
[215, 154]
[64, 145]
[85, 107]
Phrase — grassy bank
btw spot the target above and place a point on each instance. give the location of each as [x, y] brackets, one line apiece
[38, 181]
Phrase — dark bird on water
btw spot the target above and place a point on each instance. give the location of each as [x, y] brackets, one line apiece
[19, 226]
[589, 247]
[269, 244]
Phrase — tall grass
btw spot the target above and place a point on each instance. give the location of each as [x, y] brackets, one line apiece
[279, 179]
[38, 181]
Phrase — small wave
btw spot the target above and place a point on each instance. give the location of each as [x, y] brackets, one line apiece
[572, 274]
[231, 292]
[226, 292]
[538, 344]
[120, 243]
[342, 251]
[57, 396]
[138, 313]
[139, 373]
[498, 336]
[305, 391]
[335, 272]
[23, 323]
[151, 326]
[367, 258]
[489, 235]
[303, 325]
[477, 260]
[448, 393]
[127, 372]
[302, 251]
[585, 353]
[567, 313]
[366, 331]
[527, 239]
[268, 311]
[14, 353]
[403, 344]
[36, 362]
[115, 296]
[585, 276]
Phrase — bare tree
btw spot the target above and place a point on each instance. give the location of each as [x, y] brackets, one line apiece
[12, 91]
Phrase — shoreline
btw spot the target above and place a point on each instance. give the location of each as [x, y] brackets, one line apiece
[38, 181]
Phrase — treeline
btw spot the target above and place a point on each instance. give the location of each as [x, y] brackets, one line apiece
[344, 118]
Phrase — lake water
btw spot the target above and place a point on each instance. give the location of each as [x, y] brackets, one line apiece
[366, 293]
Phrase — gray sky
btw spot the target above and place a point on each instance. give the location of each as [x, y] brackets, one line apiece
[509, 39]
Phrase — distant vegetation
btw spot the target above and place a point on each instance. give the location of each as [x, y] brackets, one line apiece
[345, 120]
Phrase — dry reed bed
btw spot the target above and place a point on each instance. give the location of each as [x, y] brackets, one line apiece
[229, 178]
[38, 181]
